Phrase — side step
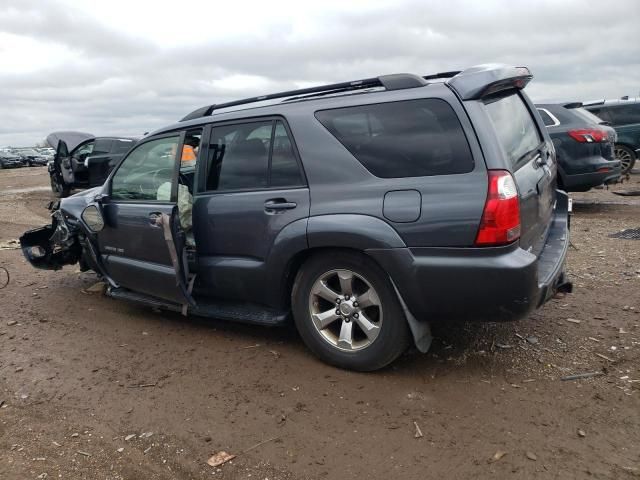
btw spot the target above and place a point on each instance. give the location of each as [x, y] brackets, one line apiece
[222, 310]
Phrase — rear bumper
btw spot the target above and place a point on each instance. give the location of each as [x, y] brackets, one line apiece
[480, 284]
[584, 181]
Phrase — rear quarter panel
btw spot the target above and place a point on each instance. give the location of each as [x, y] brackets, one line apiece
[450, 206]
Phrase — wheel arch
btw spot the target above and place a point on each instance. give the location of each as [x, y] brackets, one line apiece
[629, 146]
[420, 330]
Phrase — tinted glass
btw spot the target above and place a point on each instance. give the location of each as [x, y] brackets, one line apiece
[239, 156]
[548, 121]
[102, 146]
[402, 139]
[586, 115]
[514, 125]
[625, 114]
[284, 166]
[145, 170]
[121, 146]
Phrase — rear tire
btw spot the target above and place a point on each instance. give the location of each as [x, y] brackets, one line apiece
[626, 156]
[364, 327]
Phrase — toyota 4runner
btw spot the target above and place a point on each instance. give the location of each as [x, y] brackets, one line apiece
[363, 210]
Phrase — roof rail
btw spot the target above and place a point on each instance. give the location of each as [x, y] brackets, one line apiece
[397, 81]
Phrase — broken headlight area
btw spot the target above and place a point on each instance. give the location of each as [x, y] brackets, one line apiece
[53, 246]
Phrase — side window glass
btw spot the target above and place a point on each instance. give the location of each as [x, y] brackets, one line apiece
[147, 170]
[548, 121]
[102, 147]
[239, 156]
[121, 146]
[83, 152]
[625, 114]
[284, 166]
[410, 138]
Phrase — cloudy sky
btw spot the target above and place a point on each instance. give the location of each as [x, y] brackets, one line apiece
[128, 66]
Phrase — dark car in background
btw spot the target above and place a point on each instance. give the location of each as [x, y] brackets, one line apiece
[83, 160]
[365, 210]
[624, 115]
[31, 157]
[584, 146]
[10, 160]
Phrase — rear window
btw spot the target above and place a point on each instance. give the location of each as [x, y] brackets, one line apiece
[515, 127]
[413, 138]
[587, 115]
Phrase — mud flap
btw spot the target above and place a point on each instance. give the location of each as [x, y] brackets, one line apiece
[421, 331]
[176, 240]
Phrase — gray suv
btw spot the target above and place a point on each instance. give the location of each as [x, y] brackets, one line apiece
[363, 210]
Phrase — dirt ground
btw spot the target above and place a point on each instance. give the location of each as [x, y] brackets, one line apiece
[93, 388]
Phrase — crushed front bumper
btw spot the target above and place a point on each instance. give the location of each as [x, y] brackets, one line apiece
[52, 246]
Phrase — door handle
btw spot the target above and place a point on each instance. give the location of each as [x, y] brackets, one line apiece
[155, 219]
[279, 204]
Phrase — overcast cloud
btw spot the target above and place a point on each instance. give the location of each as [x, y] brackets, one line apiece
[127, 67]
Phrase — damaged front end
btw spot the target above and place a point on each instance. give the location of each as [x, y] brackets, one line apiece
[64, 242]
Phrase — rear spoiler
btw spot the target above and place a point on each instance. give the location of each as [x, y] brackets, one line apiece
[483, 80]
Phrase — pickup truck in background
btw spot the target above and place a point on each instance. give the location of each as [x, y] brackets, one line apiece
[83, 160]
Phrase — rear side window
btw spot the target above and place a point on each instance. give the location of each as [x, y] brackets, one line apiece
[625, 114]
[546, 118]
[413, 138]
[515, 127]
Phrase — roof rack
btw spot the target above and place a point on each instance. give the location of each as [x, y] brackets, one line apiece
[397, 81]
[471, 84]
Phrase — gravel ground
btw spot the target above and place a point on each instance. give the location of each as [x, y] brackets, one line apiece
[93, 388]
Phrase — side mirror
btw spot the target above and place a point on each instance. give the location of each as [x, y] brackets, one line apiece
[92, 218]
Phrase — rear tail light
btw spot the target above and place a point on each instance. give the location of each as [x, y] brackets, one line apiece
[500, 222]
[588, 135]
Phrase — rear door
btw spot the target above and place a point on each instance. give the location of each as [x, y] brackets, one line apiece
[142, 244]
[251, 188]
[531, 160]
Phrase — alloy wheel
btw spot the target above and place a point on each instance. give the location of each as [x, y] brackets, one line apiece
[345, 310]
[625, 158]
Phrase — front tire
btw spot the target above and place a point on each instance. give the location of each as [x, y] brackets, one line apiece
[348, 313]
[626, 156]
[57, 189]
